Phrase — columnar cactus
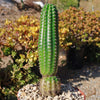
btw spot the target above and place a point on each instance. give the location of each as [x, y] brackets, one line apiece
[48, 50]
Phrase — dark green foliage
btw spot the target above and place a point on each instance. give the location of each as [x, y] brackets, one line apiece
[75, 57]
[14, 77]
[6, 50]
[92, 54]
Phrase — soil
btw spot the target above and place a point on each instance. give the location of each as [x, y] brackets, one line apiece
[90, 5]
[11, 12]
[86, 79]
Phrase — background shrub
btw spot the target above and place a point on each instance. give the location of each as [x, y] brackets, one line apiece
[19, 39]
[65, 4]
[78, 28]
[13, 78]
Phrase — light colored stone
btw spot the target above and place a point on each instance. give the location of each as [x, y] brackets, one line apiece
[40, 98]
[31, 92]
[23, 94]
[34, 88]
[56, 98]
[49, 98]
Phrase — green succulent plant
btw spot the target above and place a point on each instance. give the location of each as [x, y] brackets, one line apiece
[48, 47]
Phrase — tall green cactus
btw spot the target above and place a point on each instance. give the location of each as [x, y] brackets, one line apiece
[48, 47]
[48, 41]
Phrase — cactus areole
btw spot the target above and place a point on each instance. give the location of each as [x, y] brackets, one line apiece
[48, 47]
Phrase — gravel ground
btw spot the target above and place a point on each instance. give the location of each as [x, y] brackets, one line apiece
[90, 82]
[31, 92]
[86, 79]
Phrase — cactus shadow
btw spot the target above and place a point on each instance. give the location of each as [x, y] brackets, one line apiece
[87, 72]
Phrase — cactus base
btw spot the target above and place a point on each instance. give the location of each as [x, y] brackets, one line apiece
[50, 86]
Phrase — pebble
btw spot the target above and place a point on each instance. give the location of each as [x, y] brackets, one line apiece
[34, 89]
[56, 98]
[49, 98]
[40, 98]
[31, 92]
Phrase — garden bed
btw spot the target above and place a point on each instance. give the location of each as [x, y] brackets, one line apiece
[31, 92]
[84, 79]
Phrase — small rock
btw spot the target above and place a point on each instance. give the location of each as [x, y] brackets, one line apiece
[49, 98]
[23, 94]
[34, 88]
[31, 92]
[63, 94]
[40, 98]
[56, 98]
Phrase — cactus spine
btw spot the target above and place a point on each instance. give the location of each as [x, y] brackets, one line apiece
[48, 50]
